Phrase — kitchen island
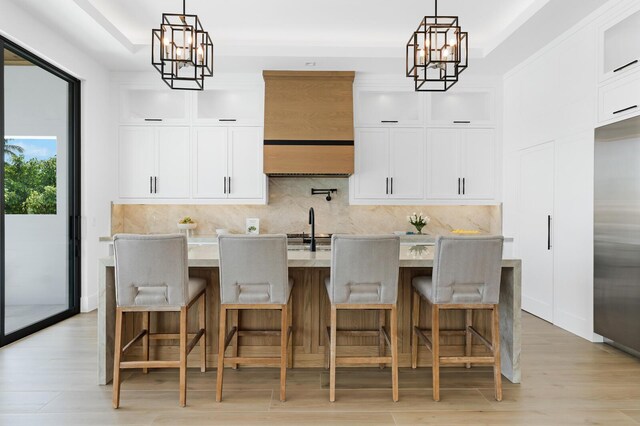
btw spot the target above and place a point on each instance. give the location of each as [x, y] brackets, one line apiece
[310, 314]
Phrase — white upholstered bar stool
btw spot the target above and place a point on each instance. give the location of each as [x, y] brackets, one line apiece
[466, 276]
[152, 275]
[364, 275]
[254, 275]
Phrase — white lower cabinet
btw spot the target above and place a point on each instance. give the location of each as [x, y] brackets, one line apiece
[389, 164]
[460, 164]
[154, 162]
[227, 163]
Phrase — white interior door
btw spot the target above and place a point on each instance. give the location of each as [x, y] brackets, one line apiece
[209, 151]
[372, 163]
[246, 176]
[136, 162]
[407, 148]
[173, 162]
[535, 229]
[443, 164]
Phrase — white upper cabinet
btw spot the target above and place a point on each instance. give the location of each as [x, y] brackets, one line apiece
[209, 151]
[478, 164]
[246, 177]
[371, 175]
[389, 164]
[388, 108]
[619, 99]
[406, 169]
[229, 107]
[620, 46]
[136, 162]
[153, 106]
[461, 164]
[172, 176]
[465, 107]
[227, 163]
[443, 164]
[154, 162]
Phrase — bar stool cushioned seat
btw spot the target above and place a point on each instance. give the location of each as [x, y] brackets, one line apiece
[152, 275]
[364, 275]
[254, 275]
[466, 275]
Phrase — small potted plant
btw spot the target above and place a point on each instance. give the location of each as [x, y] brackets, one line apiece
[187, 224]
[418, 221]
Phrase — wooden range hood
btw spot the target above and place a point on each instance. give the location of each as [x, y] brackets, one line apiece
[308, 123]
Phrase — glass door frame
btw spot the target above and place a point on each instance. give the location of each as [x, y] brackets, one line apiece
[74, 187]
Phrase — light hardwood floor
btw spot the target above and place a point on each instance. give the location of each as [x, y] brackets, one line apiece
[49, 379]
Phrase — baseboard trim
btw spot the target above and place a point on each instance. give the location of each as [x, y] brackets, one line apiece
[88, 303]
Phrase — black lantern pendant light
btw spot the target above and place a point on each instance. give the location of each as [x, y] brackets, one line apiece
[182, 51]
[437, 53]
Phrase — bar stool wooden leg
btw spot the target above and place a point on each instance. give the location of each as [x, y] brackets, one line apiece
[202, 321]
[332, 361]
[183, 356]
[284, 325]
[222, 332]
[415, 322]
[495, 337]
[468, 336]
[394, 352]
[235, 322]
[116, 359]
[382, 319]
[435, 344]
[290, 336]
[145, 340]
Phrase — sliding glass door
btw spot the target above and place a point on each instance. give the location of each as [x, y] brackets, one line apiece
[39, 213]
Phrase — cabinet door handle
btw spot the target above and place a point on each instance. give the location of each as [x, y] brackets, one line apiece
[625, 66]
[463, 186]
[150, 184]
[548, 232]
[227, 119]
[225, 184]
[392, 186]
[153, 119]
[386, 191]
[461, 122]
[389, 121]
[155, 184]
[229, 184]
[625, 109]
[458, 186]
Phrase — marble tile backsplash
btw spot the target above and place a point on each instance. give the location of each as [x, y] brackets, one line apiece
[287, 212]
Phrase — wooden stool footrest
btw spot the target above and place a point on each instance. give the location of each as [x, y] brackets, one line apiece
[467, 359]
[351, 360]
[150, 364]
[271, 361]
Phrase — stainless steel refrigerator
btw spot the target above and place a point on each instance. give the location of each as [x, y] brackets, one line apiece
[617, 234]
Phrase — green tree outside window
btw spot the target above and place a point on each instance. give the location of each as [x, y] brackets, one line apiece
[29, 185]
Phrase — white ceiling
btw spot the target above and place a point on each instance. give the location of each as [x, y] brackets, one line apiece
[333, 33]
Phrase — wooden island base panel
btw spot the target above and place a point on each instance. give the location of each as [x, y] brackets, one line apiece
[311, 312]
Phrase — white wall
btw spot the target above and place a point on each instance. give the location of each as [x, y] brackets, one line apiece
[552, 97]
[98, 137]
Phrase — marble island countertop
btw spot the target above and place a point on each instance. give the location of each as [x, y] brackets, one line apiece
[411, 255]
